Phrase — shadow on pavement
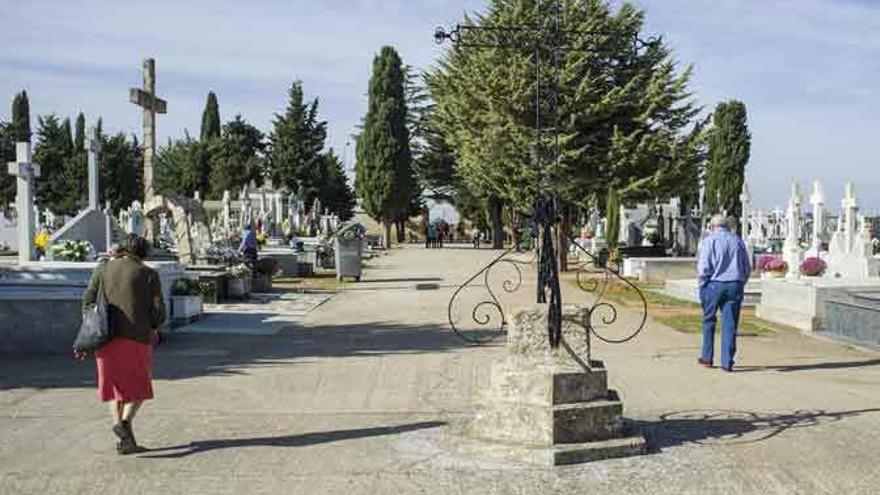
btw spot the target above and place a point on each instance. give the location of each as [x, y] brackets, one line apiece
[400, 280]
[219, 354]
[719, 427]
[302, 440]
[831, 365]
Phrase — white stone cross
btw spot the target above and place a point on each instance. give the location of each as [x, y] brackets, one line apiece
[745, 199]
[817, 199]
[850, 206]
[25, 172]
[93, 147]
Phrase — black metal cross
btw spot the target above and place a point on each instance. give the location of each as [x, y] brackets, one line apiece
[548, 36]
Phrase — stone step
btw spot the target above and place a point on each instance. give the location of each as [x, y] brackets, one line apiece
[535, 424]
[545, 384]
[597, 451]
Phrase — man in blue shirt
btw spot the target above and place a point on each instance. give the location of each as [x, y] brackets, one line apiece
[723, 270]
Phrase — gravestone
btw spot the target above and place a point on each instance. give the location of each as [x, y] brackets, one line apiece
[818, 245]
[25, 172]
[850, 254]
[791, 249]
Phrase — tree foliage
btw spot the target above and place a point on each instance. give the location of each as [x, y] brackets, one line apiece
[296, 158]
[237, 157]
[384, 175]
[210, 118]
[183, 166]
[336, 194]
[52, 151]
[729, 152]
[626, 118]
[7, 155]
[21, 118]
[612, 215]
[121, 161]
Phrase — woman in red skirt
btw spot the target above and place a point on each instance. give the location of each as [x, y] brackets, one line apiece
[135, 311]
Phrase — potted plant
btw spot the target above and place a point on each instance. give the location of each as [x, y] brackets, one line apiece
[265, 270]
[240, 283]
[186, 301]
[776, 268]
[813, 267]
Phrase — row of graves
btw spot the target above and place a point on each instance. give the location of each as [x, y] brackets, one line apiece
[814, 271]
[46, 262]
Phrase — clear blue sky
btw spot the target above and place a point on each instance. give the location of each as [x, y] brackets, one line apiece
[809, 70]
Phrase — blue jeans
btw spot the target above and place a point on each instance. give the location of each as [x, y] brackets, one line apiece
[726, 297]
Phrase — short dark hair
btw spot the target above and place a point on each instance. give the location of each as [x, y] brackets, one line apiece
[135, 245]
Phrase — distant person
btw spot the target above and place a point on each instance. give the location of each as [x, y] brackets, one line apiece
[135, 311]
[476, 235]
[723, 271]
[248, 246]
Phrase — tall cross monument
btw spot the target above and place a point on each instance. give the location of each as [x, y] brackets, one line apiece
[146, 98]
[93, 147]
[25, 172]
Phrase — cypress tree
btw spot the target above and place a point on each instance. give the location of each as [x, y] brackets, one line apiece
[7, 154]
[612, 219]
[384, 162]
[211, 118]
[21, 118]
[729, 152]
[79, 139]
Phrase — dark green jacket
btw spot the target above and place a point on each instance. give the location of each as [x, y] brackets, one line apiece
[135, 305]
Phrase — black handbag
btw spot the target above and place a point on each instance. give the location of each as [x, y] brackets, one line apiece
[94, 332]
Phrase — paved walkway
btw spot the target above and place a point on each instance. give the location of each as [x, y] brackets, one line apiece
[363, 395]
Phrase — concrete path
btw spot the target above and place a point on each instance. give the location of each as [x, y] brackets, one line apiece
[364, 393]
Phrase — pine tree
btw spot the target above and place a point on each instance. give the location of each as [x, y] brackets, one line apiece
[120, 160]
[211, 118]
[729, 152]
[236, 157]
[336, 194]
[296, 144]
[53, 151]
[627, 117]
[385, 178]
[183, 167]
[21, 118]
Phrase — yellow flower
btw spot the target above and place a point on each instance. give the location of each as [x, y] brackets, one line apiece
[42, 240]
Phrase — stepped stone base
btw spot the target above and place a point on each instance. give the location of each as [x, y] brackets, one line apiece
[548, 404]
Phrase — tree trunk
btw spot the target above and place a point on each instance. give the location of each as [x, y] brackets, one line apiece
[495, 209]
[563, 234]
[515, 231]
[386, 241]
[401, 231]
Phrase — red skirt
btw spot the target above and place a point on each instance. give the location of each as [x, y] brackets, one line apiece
[125, 369]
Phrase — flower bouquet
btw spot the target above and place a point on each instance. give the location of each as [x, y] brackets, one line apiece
[813, 267]
[776, 268]
[78, 251]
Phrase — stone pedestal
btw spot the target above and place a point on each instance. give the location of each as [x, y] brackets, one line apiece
[549, 406]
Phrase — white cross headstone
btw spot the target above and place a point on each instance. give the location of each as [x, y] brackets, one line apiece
[25, 172]
[850, 206]
[791, 248]
[93, 147]
[817, 200]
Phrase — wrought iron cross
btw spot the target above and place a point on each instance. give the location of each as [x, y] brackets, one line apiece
[547, 37]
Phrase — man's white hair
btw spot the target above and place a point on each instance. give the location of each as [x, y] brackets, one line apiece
[720, 221]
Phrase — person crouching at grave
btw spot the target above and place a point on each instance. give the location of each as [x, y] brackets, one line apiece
[135, 311]
[248, 247]
[723, 270]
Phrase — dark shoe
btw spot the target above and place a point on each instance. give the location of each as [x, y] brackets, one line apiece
[125, 448]
[728, 369]
[703, 362]
[123, 431]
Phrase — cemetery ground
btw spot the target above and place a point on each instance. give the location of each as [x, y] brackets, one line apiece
[364, 390]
